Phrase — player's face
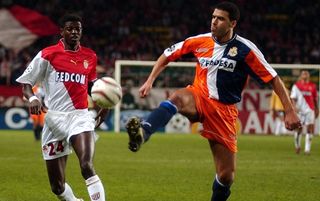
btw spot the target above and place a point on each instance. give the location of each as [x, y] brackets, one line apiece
[305, 75]
[221, 26]
[71, 32]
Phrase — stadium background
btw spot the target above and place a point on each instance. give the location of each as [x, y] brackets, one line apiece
[286, 33]
[171, 167]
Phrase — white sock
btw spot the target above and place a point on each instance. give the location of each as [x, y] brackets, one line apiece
[95, 189]
[297, 140]
[307, 147]
[67, 195]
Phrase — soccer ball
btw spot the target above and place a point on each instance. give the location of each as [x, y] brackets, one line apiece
[106, 92]
[178, 124]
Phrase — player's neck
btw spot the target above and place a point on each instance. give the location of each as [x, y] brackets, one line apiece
[71, 47]
[225, 38]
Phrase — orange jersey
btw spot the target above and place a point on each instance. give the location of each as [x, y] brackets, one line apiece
[38, 119]
[222, 70]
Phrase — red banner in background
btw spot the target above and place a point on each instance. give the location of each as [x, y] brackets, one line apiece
[11, 96]
[20, 27]
[256, 122]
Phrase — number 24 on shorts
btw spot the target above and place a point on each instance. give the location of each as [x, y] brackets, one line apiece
[55, 147]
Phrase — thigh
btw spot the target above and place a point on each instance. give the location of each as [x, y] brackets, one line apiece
[83, 145]
[56, 170]
[310, 118]
[185, 102]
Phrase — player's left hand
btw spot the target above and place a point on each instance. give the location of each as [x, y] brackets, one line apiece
[101, 116]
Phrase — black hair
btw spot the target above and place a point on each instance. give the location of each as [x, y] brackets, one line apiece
[70, 17]
[231, 8]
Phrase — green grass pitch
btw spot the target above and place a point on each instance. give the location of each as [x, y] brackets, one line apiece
[168, 168]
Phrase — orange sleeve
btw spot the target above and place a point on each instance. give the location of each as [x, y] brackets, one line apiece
[177, 50]
[258, 67]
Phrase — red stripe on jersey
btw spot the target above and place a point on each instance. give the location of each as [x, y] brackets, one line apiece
[309, 91]
[81, 63]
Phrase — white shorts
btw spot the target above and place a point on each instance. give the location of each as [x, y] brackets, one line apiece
[59, 127]
[307, 118]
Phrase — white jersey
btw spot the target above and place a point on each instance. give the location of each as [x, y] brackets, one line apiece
[64, 76]
[301, 103]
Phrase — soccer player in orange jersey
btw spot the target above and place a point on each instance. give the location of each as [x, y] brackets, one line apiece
[224, 62]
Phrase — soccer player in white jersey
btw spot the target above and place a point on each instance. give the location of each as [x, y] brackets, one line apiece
[305, 98]
[224, 62]
[67, 71]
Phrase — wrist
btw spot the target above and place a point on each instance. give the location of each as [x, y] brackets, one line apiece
[32, 98]
[289, 110]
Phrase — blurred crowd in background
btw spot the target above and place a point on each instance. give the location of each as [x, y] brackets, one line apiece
[286, 31]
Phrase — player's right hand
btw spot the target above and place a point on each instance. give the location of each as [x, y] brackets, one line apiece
[35, 107]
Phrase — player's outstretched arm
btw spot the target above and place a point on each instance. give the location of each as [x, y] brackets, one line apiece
[291, 119]
[158, 67]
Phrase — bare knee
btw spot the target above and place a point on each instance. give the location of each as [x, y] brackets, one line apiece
[87, 169]
[226, 176]
[183, 99]
[177, 100]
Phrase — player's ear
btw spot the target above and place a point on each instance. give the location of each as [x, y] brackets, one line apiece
[61, 31]
[233, 23]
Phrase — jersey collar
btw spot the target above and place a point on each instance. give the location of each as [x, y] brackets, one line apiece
[61, 44]
[233, 37]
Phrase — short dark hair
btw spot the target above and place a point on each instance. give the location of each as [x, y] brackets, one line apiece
[231, 8]
[70, 17]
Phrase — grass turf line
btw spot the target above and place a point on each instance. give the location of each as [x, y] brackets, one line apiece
[168, 168]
